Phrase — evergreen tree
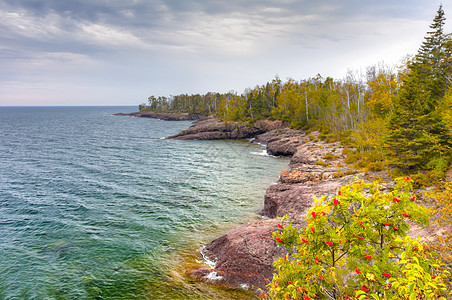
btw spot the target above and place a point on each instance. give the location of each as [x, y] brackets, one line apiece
[418, 136]
[430, 62]
[432, 47]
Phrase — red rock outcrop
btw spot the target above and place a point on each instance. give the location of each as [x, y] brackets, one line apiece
[213, 129]
[244, 256]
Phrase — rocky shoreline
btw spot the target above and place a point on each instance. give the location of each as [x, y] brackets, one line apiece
[244, 256]
[213, 129]
[165, 116]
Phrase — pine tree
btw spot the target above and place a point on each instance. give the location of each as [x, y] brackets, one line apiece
[430, 62]
[432, 47]
[418, 136]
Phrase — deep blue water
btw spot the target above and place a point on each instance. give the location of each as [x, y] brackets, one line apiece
[95, 206]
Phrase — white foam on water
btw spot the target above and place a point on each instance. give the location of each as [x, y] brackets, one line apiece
[213, 276]
[262, 153]
[208, 261]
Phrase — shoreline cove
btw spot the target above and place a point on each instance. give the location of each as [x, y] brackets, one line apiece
[242, 259]
[102, 207]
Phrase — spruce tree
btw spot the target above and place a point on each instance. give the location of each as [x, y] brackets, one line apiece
[418, 136]
[432, 48]
[430, 62]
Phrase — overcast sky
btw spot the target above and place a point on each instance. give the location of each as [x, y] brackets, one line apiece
[119, 52]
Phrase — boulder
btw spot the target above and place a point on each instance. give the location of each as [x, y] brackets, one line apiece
[243, 257]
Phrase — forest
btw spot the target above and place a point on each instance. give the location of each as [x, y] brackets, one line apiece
[396, 116]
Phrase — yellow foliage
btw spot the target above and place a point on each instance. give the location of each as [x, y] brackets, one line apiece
[369, 135]
[322, 163]
[441, 196]
[446, 108]
[383, 88]
[367, 139]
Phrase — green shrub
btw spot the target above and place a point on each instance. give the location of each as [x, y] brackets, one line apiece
[356, 245]
[322, 163]
[330, 156]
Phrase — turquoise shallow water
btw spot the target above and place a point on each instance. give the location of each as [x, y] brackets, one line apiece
[95, 206]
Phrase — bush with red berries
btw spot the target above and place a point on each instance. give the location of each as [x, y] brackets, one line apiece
[356, 245]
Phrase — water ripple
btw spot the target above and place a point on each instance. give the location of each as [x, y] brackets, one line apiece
[97, 207]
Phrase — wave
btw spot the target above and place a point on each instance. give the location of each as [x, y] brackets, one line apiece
[262, 153]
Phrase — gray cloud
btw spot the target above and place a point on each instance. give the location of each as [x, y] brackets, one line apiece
[78, 22]
[171, 46]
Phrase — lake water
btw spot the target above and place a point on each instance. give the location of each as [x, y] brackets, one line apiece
[95, 206]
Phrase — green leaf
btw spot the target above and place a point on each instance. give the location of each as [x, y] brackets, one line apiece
[420, 284]
[359, 293]
[375, 296]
